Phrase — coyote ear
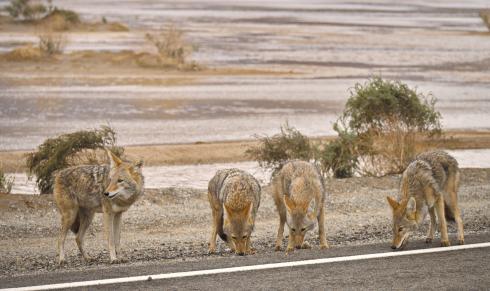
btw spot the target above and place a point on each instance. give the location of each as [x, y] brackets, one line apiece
[246, 211]
[138, 164]
[115, 161]
[393, 203]
[289, 203]
[411, 206]
[229, 213]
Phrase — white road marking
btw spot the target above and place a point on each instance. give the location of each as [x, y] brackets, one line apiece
[249, 268]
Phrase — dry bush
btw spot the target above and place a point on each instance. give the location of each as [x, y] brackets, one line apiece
[51, 43]
[60, 20]
[6, 182]
[386, 118]
[272, 152]
[67, 150]
[26, 10]
[25, 53]
[171, 47]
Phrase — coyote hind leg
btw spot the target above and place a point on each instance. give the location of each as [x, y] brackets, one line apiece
[453, 186]
[68, 217]
[85, 217]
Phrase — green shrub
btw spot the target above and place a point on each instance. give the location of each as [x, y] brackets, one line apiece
[386, 117]
[338, 157]
[24, 9]
[67, 150]
[6, 182]
[273, 152]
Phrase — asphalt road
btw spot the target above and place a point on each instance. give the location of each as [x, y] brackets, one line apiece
[461, 269]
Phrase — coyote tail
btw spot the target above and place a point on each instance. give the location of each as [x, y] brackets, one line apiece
[221, 232]
[448, 213]
[76, 224]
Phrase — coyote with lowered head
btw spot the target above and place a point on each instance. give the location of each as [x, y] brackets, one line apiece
[299, 194]
[234, 196]
[80, 191]
[429, 184]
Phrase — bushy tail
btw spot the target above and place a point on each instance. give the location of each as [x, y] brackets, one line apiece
[221, 232]
[76, 224]
[448, 213]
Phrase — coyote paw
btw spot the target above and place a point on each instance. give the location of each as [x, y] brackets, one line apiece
[277, 248]
[211, 251]
[428, 240]
[61, 263]
[305, 245]
[115, 261]
[445, 243]
[289, 250]
[461, 241]
[324, 246]
[251, 251]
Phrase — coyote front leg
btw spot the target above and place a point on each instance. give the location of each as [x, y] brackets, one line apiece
[321, 229]
[117, 232]
[432, 226]
[109, 230]
[214, 230]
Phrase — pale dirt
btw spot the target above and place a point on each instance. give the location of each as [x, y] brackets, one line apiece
[174, 224]
[233, 151]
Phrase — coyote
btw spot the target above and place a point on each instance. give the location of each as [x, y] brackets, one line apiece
[429, 184]
[299, 194]
[237, 194]
[80, 191]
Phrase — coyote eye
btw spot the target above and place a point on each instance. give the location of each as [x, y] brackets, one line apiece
[400, 229]
[244, 237]
[293, 229]
[120, 180]
[233, 237]
[303, 229]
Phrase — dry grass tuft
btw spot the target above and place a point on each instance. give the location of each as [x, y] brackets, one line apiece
[25, 53]
[51, 43]
[172, 50]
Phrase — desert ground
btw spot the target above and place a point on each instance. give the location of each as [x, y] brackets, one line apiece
[173, 224]
[259, 64]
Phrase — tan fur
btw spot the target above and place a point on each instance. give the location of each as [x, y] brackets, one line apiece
[295, 187]
[234, 197]
[81, 191]
[430, 182]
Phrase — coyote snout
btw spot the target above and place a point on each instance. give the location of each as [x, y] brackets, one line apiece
[299, 222]
[299, 195]
[234, 197]
[404, 223]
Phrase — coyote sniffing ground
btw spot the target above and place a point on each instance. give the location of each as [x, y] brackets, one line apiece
[299, 195]
[81, 191]
[429, 184]
[234, 197]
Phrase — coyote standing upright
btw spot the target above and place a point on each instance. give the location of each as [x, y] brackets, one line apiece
[296, 187]
[234, 196]
[80, 191]
[429, 184]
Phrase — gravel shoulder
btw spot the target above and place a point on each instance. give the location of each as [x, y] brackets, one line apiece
[173, 224]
